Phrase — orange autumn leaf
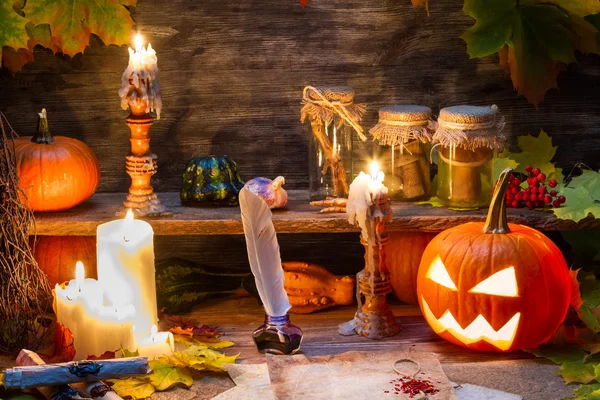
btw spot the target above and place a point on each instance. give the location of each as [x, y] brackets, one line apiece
[576, 300]
[178, 330]
[418, 3]
[303, 3]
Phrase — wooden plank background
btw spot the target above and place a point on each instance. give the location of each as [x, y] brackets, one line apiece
[232, 74]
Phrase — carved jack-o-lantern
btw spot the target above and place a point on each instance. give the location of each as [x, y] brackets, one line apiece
[494, 286]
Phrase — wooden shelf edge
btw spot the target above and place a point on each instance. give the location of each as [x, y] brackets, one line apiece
[298, 217]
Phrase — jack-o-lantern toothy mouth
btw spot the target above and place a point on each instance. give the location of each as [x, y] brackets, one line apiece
[479, 329]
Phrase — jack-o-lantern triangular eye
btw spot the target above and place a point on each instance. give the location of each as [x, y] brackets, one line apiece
[437, 272]
[502, 283]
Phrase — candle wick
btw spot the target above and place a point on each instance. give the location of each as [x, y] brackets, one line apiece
[125, 239]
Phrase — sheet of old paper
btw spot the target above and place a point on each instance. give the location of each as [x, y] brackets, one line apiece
[354, 376]
[252, 383]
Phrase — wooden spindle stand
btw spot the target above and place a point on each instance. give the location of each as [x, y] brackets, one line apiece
[141, 165]
[374, 318]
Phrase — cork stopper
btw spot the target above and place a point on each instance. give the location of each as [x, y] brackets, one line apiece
[398, 124]
[470, 127]
[342, 94]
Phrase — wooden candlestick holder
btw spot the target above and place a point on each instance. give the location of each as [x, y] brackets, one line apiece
[374, 318]
[141, 165]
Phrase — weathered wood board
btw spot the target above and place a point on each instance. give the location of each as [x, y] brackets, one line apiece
[297, 217]
[232, 73]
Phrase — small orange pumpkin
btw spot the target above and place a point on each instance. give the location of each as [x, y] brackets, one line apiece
[56, 173]
[494, 286]
[57, 256]
[403, 254]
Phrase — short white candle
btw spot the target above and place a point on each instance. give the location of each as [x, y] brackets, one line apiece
[156, 345]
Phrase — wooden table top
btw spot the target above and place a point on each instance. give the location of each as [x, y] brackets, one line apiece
[297, 217]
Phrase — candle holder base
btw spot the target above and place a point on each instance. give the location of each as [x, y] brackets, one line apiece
[374, 318]
[144, 206]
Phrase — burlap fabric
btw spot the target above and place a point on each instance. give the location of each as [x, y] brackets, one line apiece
[400, 124]
[470, 127]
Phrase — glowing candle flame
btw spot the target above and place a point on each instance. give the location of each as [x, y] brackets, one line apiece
[374, 169]
[138, 42]
[153, 332]
[129, 215]
[79, 275]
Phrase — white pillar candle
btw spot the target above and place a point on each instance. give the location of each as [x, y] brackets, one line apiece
[126, 269]
[156, 345]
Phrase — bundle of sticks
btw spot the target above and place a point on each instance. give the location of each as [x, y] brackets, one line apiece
[73, 380]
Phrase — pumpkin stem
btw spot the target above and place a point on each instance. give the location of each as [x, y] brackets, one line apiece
[43, 135]
[277, 182]
[496, 218]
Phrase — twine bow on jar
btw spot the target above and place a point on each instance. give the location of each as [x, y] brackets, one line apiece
[327, 102]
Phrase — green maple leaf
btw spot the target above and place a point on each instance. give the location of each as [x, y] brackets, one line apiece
[540, 38]
[577, 371]
[589, 392]
[578, 206]
[12, 33]
[434, 201]
[584, 27]
[136, 388]
[502, 162]
[538, 152]
[73, 21]
[558, 354]
[168, 375]
[590, 180]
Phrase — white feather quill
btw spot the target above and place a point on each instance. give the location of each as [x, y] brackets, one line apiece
[263, 253]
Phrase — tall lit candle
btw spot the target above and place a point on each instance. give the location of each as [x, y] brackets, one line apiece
[126, 269]
[140, 78]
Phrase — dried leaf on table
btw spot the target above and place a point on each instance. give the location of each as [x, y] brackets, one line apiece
[588, 392]
[200, 341]
[576, 300]
[61, 348]
[204, 359]
[178, 330]
[128, 353]
[135, 388]
[108, 355]
[577, 372]
[166, 375]
[168, 322]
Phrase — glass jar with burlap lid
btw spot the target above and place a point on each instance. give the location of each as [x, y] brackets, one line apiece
[404, 135]
[468, 138]
[334, 121]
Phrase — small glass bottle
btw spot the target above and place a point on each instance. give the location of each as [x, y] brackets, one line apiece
[404, 136]
[469, 138]
[277, 336]
[334, 118]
